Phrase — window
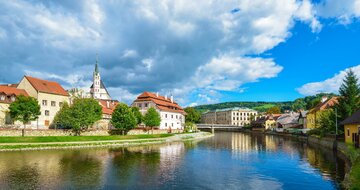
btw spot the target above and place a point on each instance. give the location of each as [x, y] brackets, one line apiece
[44, 102]
[165, 124]
[172, 116]
[60, 104]
[13, 98]
[53, 103]
[47, 112]
[172, 124]
[176, 116]
[2, 97]
[348, 132]
[165, 117]
[146, 105]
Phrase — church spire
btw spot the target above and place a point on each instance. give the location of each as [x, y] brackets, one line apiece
[96, 64]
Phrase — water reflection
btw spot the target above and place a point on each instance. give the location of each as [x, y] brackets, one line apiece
[226, 161]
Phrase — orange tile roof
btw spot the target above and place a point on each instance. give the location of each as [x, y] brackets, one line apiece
[112, 105]
[12, 91]
[325, 105]
[161, 102]
[46, 86]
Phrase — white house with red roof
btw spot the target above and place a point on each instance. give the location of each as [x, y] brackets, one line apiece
[172, 115]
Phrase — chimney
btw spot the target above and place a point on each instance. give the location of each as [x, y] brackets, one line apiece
[157, 94]
[323, 99]
[165, 97]
[172, 99]
[107, 104]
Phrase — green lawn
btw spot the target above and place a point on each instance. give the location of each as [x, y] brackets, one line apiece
[76, 138]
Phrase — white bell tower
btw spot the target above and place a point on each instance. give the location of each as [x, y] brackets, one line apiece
[96, 81]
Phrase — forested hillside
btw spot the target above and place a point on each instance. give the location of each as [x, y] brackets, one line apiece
[298, 104]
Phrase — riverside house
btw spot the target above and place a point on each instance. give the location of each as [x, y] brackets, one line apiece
[267, 122]
[314, 114]
[50, 95]
[352, 128]
[172, 115]
[8, 94]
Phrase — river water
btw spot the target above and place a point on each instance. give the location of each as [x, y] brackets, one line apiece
[225, 161]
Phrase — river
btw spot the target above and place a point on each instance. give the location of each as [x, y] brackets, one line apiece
[226, 161]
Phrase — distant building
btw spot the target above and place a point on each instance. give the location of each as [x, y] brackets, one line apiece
[288, 120]
[172, 115]
[98, 89]
[352, 128]
[267, 122]
[8, 94]
[230, 116]
[302, 119]
[313, 116]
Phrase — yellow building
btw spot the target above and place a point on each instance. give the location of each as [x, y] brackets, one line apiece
[352, 127]
[50, 95]
[313, 116]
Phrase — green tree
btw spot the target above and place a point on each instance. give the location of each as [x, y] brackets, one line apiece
[274, 110]
[63, 118]
[84, 113]
[137, 114]
[192, 115]
[327, 121]
[349, 100]
[299, 104]
[152, 118]
[24, 109]
[123, 118]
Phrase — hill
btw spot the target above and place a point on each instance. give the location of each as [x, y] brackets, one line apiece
[299, 104]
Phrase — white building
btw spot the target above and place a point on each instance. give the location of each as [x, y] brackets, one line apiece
[172, 115]
[97, 89]
[230, 116]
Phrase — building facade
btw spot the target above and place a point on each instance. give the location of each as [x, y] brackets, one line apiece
[172, 115]
[50, 95]
[313, 116]
[352, 128]
[230, 116]
[8, 94]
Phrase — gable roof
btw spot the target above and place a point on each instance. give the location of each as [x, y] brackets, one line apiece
[161, 102]
[11, 91]
[8, 90]
[46, 86]
[325, 105]
[108, 109]
[353, 119]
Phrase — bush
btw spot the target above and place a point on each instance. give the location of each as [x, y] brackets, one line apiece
[190, 127]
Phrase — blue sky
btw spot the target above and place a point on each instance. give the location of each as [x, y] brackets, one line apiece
[201, 52]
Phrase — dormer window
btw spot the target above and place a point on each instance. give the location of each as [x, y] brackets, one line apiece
[2, 97]
[13, 98]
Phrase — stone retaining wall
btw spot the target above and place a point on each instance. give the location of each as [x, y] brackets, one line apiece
[62, 132]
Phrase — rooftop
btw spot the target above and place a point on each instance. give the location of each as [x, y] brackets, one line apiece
[46, 86]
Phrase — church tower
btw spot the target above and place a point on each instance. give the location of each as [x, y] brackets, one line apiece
[98, 90]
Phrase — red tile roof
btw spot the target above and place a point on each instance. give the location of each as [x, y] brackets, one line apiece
[325, 105]
[161, 102]
[11, 90]
[8, 91]
[46, 86]
[112, 105]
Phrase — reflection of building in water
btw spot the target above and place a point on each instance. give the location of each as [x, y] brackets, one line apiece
[241, 142]
[170, 157]
[270, 141]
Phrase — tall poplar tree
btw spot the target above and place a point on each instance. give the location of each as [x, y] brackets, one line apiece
[349, 100]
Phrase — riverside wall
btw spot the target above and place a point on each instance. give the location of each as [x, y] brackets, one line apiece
[63, 132]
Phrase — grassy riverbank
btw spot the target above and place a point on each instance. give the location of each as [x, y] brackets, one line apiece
[77, 138]
[61, 142]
